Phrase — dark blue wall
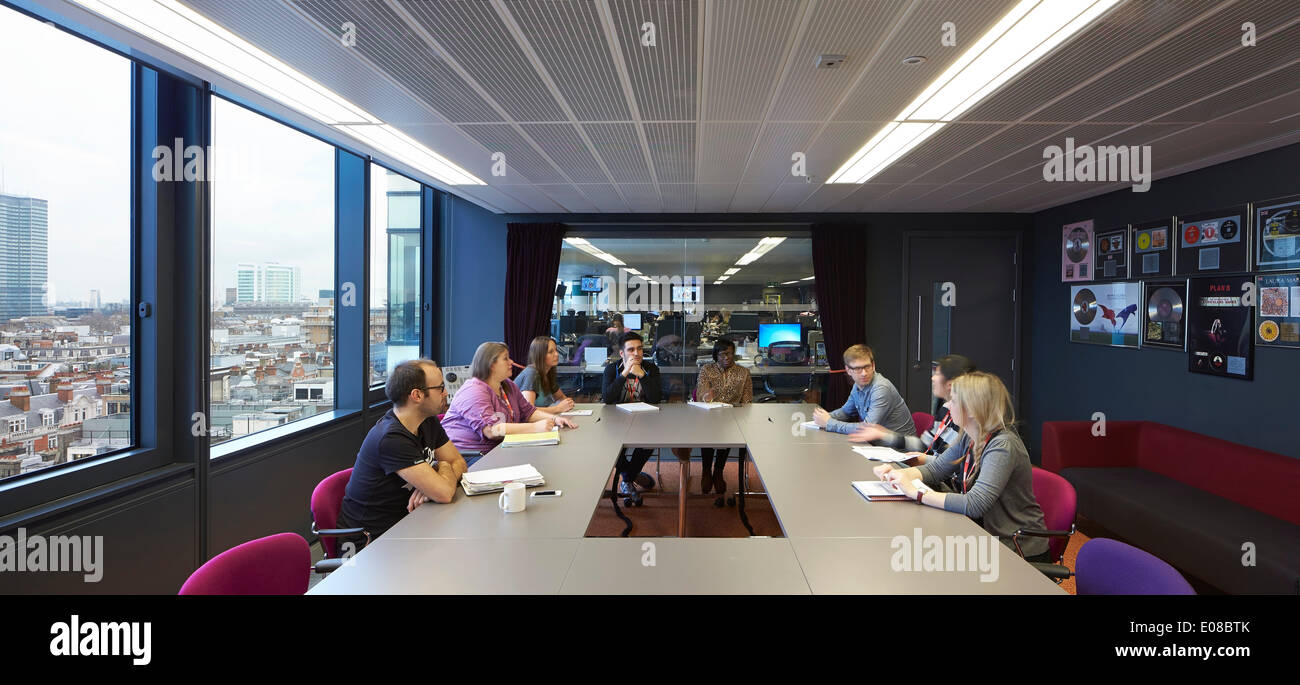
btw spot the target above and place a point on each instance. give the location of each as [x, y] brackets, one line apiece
[473, 279]
[1070, 381]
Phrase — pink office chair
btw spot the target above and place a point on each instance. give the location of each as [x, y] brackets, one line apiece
[923, 422]
[1059, 502]
[274, 565]
[326, 502]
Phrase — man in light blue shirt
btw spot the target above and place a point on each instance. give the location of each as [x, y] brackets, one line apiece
[873, 400]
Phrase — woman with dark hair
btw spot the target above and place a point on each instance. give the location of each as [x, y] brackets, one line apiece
[721, 381]
[540, 382]
[943, 432]
[489, 406]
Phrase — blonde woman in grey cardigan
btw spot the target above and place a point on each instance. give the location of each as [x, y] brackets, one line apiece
[986, 474]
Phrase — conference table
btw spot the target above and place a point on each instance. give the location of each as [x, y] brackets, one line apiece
[835, 541]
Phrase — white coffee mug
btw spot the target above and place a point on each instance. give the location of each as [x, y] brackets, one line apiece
[513, 499]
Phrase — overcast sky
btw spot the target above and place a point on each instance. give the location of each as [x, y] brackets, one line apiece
[65, 138]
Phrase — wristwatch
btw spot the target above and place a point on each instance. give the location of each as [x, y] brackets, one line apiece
[920, 494]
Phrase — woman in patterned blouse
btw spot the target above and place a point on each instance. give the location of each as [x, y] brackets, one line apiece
[721, 381]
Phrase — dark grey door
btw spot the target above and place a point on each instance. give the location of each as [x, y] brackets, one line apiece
[962, 299]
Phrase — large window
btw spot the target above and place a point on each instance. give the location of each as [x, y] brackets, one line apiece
[272, 337]
[682, 294]
[394, 271]
[65, 237]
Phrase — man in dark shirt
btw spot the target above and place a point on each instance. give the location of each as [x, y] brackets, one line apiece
[632, 379]
[406, 458]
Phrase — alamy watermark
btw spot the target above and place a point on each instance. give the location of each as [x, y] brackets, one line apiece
[53, 554]
[641, 293]
[1102, 163]
[948, 553]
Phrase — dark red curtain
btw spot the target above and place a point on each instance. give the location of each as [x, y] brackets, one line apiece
[532, 261]
[839, 254]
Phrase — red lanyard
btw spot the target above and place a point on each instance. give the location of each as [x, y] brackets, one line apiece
[966, 464]
[943, 425]
[635, 387]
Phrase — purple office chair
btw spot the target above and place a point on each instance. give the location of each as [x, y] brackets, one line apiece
[923, 422]
[274, 565]
[1110, 567]
[326, 502]
[1059, 502]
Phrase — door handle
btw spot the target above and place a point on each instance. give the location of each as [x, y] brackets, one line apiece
[917, 366]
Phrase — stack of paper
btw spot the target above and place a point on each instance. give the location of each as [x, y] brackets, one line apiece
[879, 490]
[878, 453]
[494, 480]
[708, 405]
[636, 407]
[531, 439]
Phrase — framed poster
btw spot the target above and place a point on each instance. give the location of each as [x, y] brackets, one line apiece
[1164, 320]
[1277, 234]
[1153, 254]
[1106, 314]
[1112, 254]
[1076, 251]
[1220, 327]
[1279, 310]
[1213, 242]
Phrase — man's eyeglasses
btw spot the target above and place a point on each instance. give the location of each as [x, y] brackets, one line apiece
[427, 388]
[860, 369]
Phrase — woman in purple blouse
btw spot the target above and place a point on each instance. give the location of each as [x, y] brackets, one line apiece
[490, 406]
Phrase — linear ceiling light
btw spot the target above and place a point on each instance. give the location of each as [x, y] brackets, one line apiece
[1030, 30]
[182, 30]
[582, 244]
[732, 270]
[764, 246]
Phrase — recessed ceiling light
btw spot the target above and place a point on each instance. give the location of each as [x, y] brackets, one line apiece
[763, 247]
[914, 59]
[1022, 37]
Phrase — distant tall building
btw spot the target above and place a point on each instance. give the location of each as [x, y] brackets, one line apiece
[232, 295]
[24, 256]
[94, 299]
[268, 282]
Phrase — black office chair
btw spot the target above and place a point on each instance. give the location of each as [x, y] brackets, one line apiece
[780, 382]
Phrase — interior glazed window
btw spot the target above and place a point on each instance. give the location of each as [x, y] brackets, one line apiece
[272, 273]
[65, 237]
[394, 271]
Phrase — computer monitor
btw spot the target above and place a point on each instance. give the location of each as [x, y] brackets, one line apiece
[744, 322]
[632, 322]
[769, 333]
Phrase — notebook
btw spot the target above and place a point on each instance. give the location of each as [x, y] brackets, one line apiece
[576, 412]
[531, 439]
[878, 453]
[494, 480]
[879, 491]
[637, 407]
[708, 405]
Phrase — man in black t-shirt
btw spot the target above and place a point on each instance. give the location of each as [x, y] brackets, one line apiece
[406, 458]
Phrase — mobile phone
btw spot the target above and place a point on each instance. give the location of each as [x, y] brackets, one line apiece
[547, 493]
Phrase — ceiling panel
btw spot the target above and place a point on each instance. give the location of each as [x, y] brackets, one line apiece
[843, 27]
[707, 118]
[620, 147]
[641, 197]
[474, 35]
[569, 41]
[662, 75]
[777, 142]
[672, 150]
[563, 144]
[747, 44]
[889, 85]
[387, 41]
[522, 159]
[723, 151]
